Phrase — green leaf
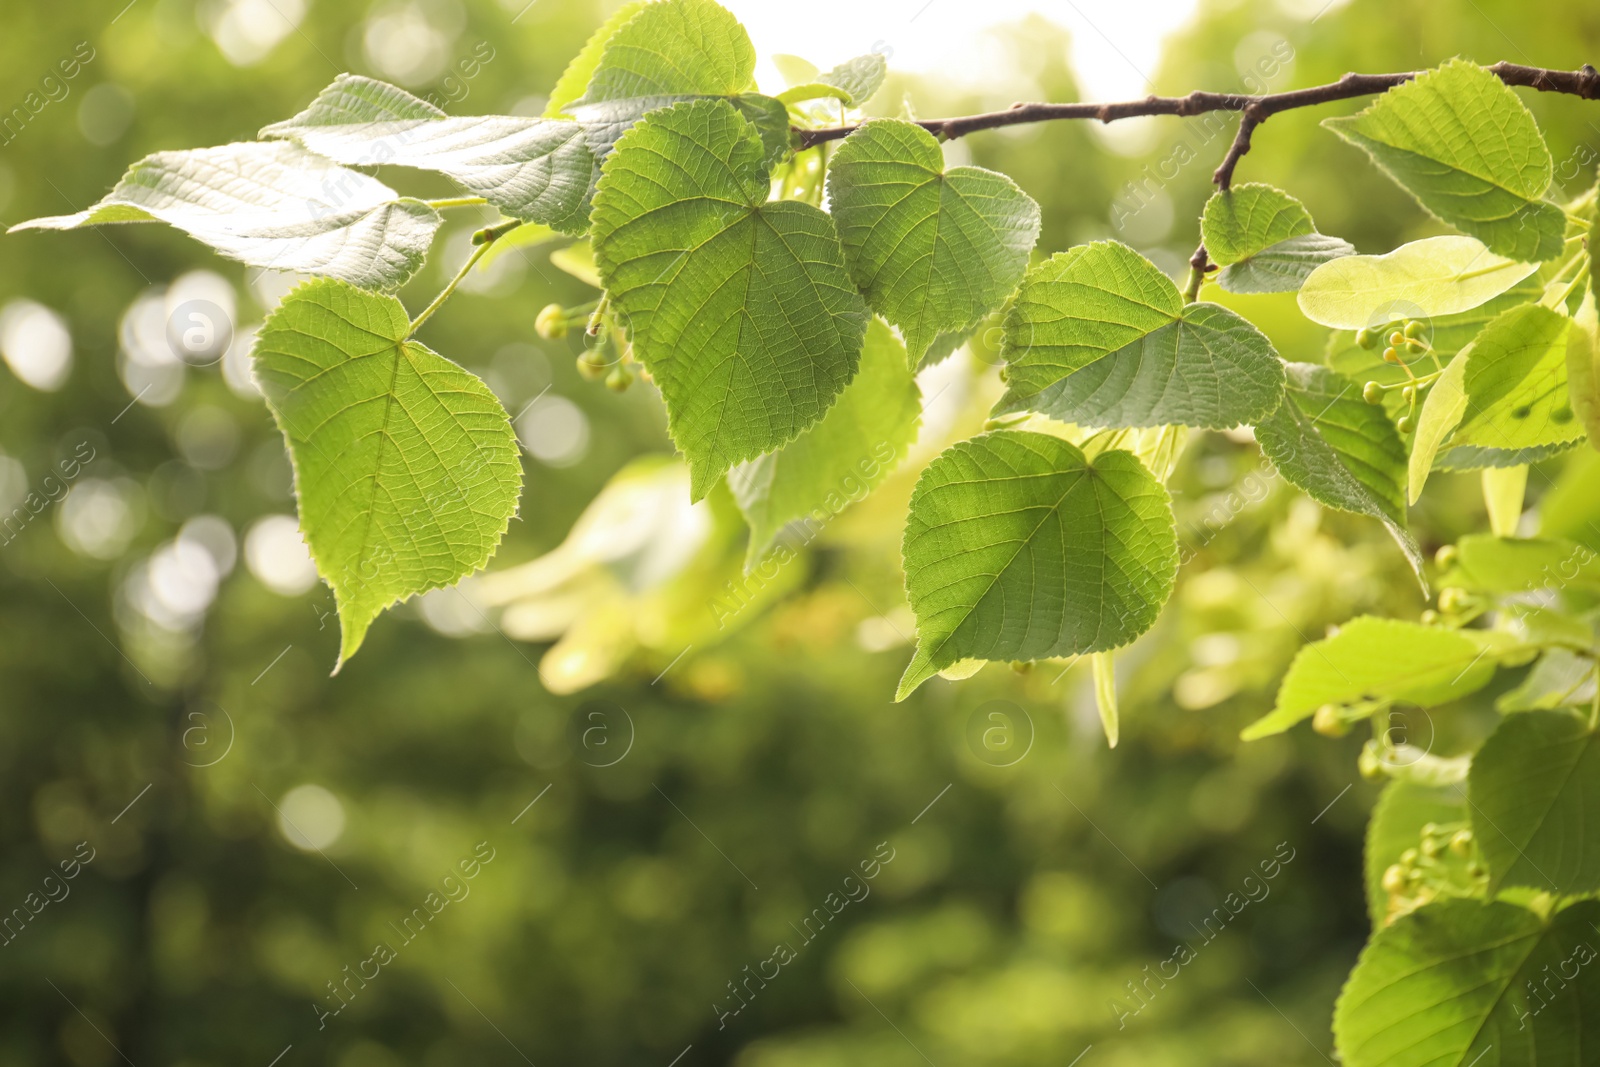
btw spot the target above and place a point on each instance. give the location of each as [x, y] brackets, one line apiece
[1378, 659]
[1264, 239]
[540, 170]
[1343, 451]
[1098, 336]
[1460, 983]
[673, 48]
[1535, 789]
[1504, 491]
[1018, 547]
[272, 206]
[795, 70]
[1105, 694]
[1446, 334]
[1583, 373]
[933, 249]
[1397, 821]
[1535, 792]
[1517, 407]
[1487, 564]
[1459, 140]
[860, 78]
[569, 88]
[742, 310]
[1557, 679]
[1424, 279]
[1442, 410]
[405, 465]
[839, 460]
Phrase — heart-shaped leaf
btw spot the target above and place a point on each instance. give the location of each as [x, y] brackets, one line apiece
[1459, 140]
[1424, 279]
[1264, 239]
[1019, 547]
[405, 465]
[933, 249]
[742, 310]
[1100, 337]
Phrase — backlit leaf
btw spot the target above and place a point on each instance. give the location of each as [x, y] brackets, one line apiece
[1343, 451]
[1100, 337]
[933, 249]
[272, 206]
[1462, 983]
[1378, 659]
[1459, 140]
[1535, 791]
[1424, 279]
[742, 310]
[840, 459]
[1264, 239]
[1018, 547]
[405, 465]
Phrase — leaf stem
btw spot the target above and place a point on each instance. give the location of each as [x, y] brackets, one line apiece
[483, 240]
[456, 201]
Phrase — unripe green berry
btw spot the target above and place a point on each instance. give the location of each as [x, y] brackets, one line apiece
[1405, 424]
[1367, 339]
[551, 323]
[1372, 393]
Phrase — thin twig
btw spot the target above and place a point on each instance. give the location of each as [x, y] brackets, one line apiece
[1584, 82]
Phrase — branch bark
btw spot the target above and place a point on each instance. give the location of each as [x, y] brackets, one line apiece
[1584, 83]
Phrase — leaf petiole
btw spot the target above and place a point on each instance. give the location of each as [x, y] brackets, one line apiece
[483, 240]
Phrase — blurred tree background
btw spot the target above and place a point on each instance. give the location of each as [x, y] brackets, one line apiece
[258, 827]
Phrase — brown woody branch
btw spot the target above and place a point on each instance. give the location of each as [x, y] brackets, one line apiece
[1584, 82]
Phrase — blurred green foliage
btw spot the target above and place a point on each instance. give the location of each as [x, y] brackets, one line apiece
[1029, 898]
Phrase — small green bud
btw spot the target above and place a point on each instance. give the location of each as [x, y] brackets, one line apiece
[1446, 556]
[1461, 843]
[1409, 394]
[1453, 600]
[1372, 393]
[1367, 339]
[1429, 617]
[619, 379]
[1370, 763]
[1391, 356]
[1394, 879]
[1328, 722]
[1413, 330]
[592, 365]
[1405, 424]
[1397, 338]
[551, 323]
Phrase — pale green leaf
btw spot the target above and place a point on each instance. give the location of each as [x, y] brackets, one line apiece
[578, 260]
[569, 88]
[1517, 407]
[273, 206]
[1448, 986]
[795, 70]
[860, 78]
[808, 91]
[933, 249]
[1378, 659]
[1557, 679]
[742, 310]
[1343, 451]
[1402, 811]
[673, 48]
[1264, 239]
[1459, 140]
[1424, 279]
[1442, 409]
[1488, 564]
[537, 169]
[1018, 547]
[1503, 492]
[839, 460]
[1583, 373]
[405, 465]
[1104, 669]
[1098, 336]
[1535, 792]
